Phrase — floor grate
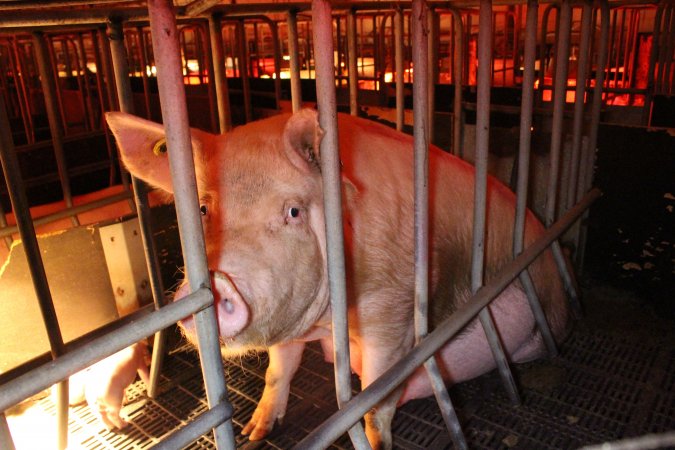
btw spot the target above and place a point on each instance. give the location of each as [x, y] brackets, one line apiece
[606, 385]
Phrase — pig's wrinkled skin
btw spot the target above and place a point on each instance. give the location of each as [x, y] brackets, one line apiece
[103, 384]
[261, 194]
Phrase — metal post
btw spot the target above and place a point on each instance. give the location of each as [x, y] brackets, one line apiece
[17, 195]
[274, 31]
[524, 171]
[559, 95]
[400, 92]
[48, 87]
[143, 55]
[125, 99]
[656, 38]
[421, 117]
[432, 69]
[579, 101]
[480, 192]
[586, 175]
[296, 90]
[457, 80]
[174, 112]
[219, 78]
[242, 56]
[5, 436]
[352, 65]
[322, 34]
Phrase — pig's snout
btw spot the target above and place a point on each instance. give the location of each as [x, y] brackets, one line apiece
[232, 312]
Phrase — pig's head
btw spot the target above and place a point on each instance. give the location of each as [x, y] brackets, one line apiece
[261, 202]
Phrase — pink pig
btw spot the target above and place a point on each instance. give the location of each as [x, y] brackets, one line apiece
[106, 381]
[262, 204]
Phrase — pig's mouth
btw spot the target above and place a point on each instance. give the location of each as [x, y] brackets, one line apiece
[232, 312]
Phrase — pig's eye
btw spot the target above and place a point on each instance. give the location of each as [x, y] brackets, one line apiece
[203, 210]
[294, 212]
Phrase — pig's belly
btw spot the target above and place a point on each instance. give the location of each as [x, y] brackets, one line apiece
[469, 355]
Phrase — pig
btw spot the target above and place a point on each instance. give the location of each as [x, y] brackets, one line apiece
[261, 195]
[103, 385]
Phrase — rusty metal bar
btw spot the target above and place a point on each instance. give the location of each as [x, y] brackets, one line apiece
[17, 195]
[242, 64]
[219, 77]
[400, 92]
[352, 64]
[421, 135]
[296, 89]
[579, 101]
[330, 430]
[48, 87]
[322, 35]
[480, 193]
[175, 117]
[524, 171]
[432, 69]
[141, 190]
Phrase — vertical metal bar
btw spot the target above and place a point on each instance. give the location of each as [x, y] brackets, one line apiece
[274, 31]
[587, 165]
[48, 87]
[559, 95]
[542, 49]
[432, 68]
[352, 65]
[219, 78]
[17, 195]
[19, 73]
[322, 35]
[55, 72]
[420, 50]
[242, 55]
[125, 98]
[579, 101]
[143, 56]
[457, 80]
[107, 66]
[205, 53]
[83, 75]
[480, 192]
[174, 112]
[296, 90]
[400, 93]
[5, 436]
[524, 171]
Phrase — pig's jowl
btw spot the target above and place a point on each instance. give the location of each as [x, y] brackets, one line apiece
[260, 189]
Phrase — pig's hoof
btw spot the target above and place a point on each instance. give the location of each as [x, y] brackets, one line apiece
[258, 429]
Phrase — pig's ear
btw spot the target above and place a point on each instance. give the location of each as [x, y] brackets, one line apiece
[142, 146]
[302, 137]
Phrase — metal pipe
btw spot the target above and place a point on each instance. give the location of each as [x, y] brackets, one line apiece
[480, 192]
[296, 89]
[50, 373]
[143, 56]
[196, 428]
[322, 35]
[219, 76]
[48, 87]
[524, 171]
[175, 116]
[17, 195]
[121, 69]
[352, 65]
[579, 101]
[432, 69]
[242, 56]
[400, 92]
[335, 426]
[421, 137]
[542, 49]
[5, 436]
[596, 104]
[274, 31]
[457, 112]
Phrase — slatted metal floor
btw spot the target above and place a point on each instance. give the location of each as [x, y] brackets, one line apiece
[614, 378]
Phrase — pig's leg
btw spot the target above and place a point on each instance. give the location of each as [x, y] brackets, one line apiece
[376, 359]
[284, 361]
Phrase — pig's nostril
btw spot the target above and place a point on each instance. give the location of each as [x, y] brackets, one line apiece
[229, 307]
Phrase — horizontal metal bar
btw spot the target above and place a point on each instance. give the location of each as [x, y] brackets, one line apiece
[201, 425]
[664, 440]
[353, 410]
[31, 383]
[68, 212]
